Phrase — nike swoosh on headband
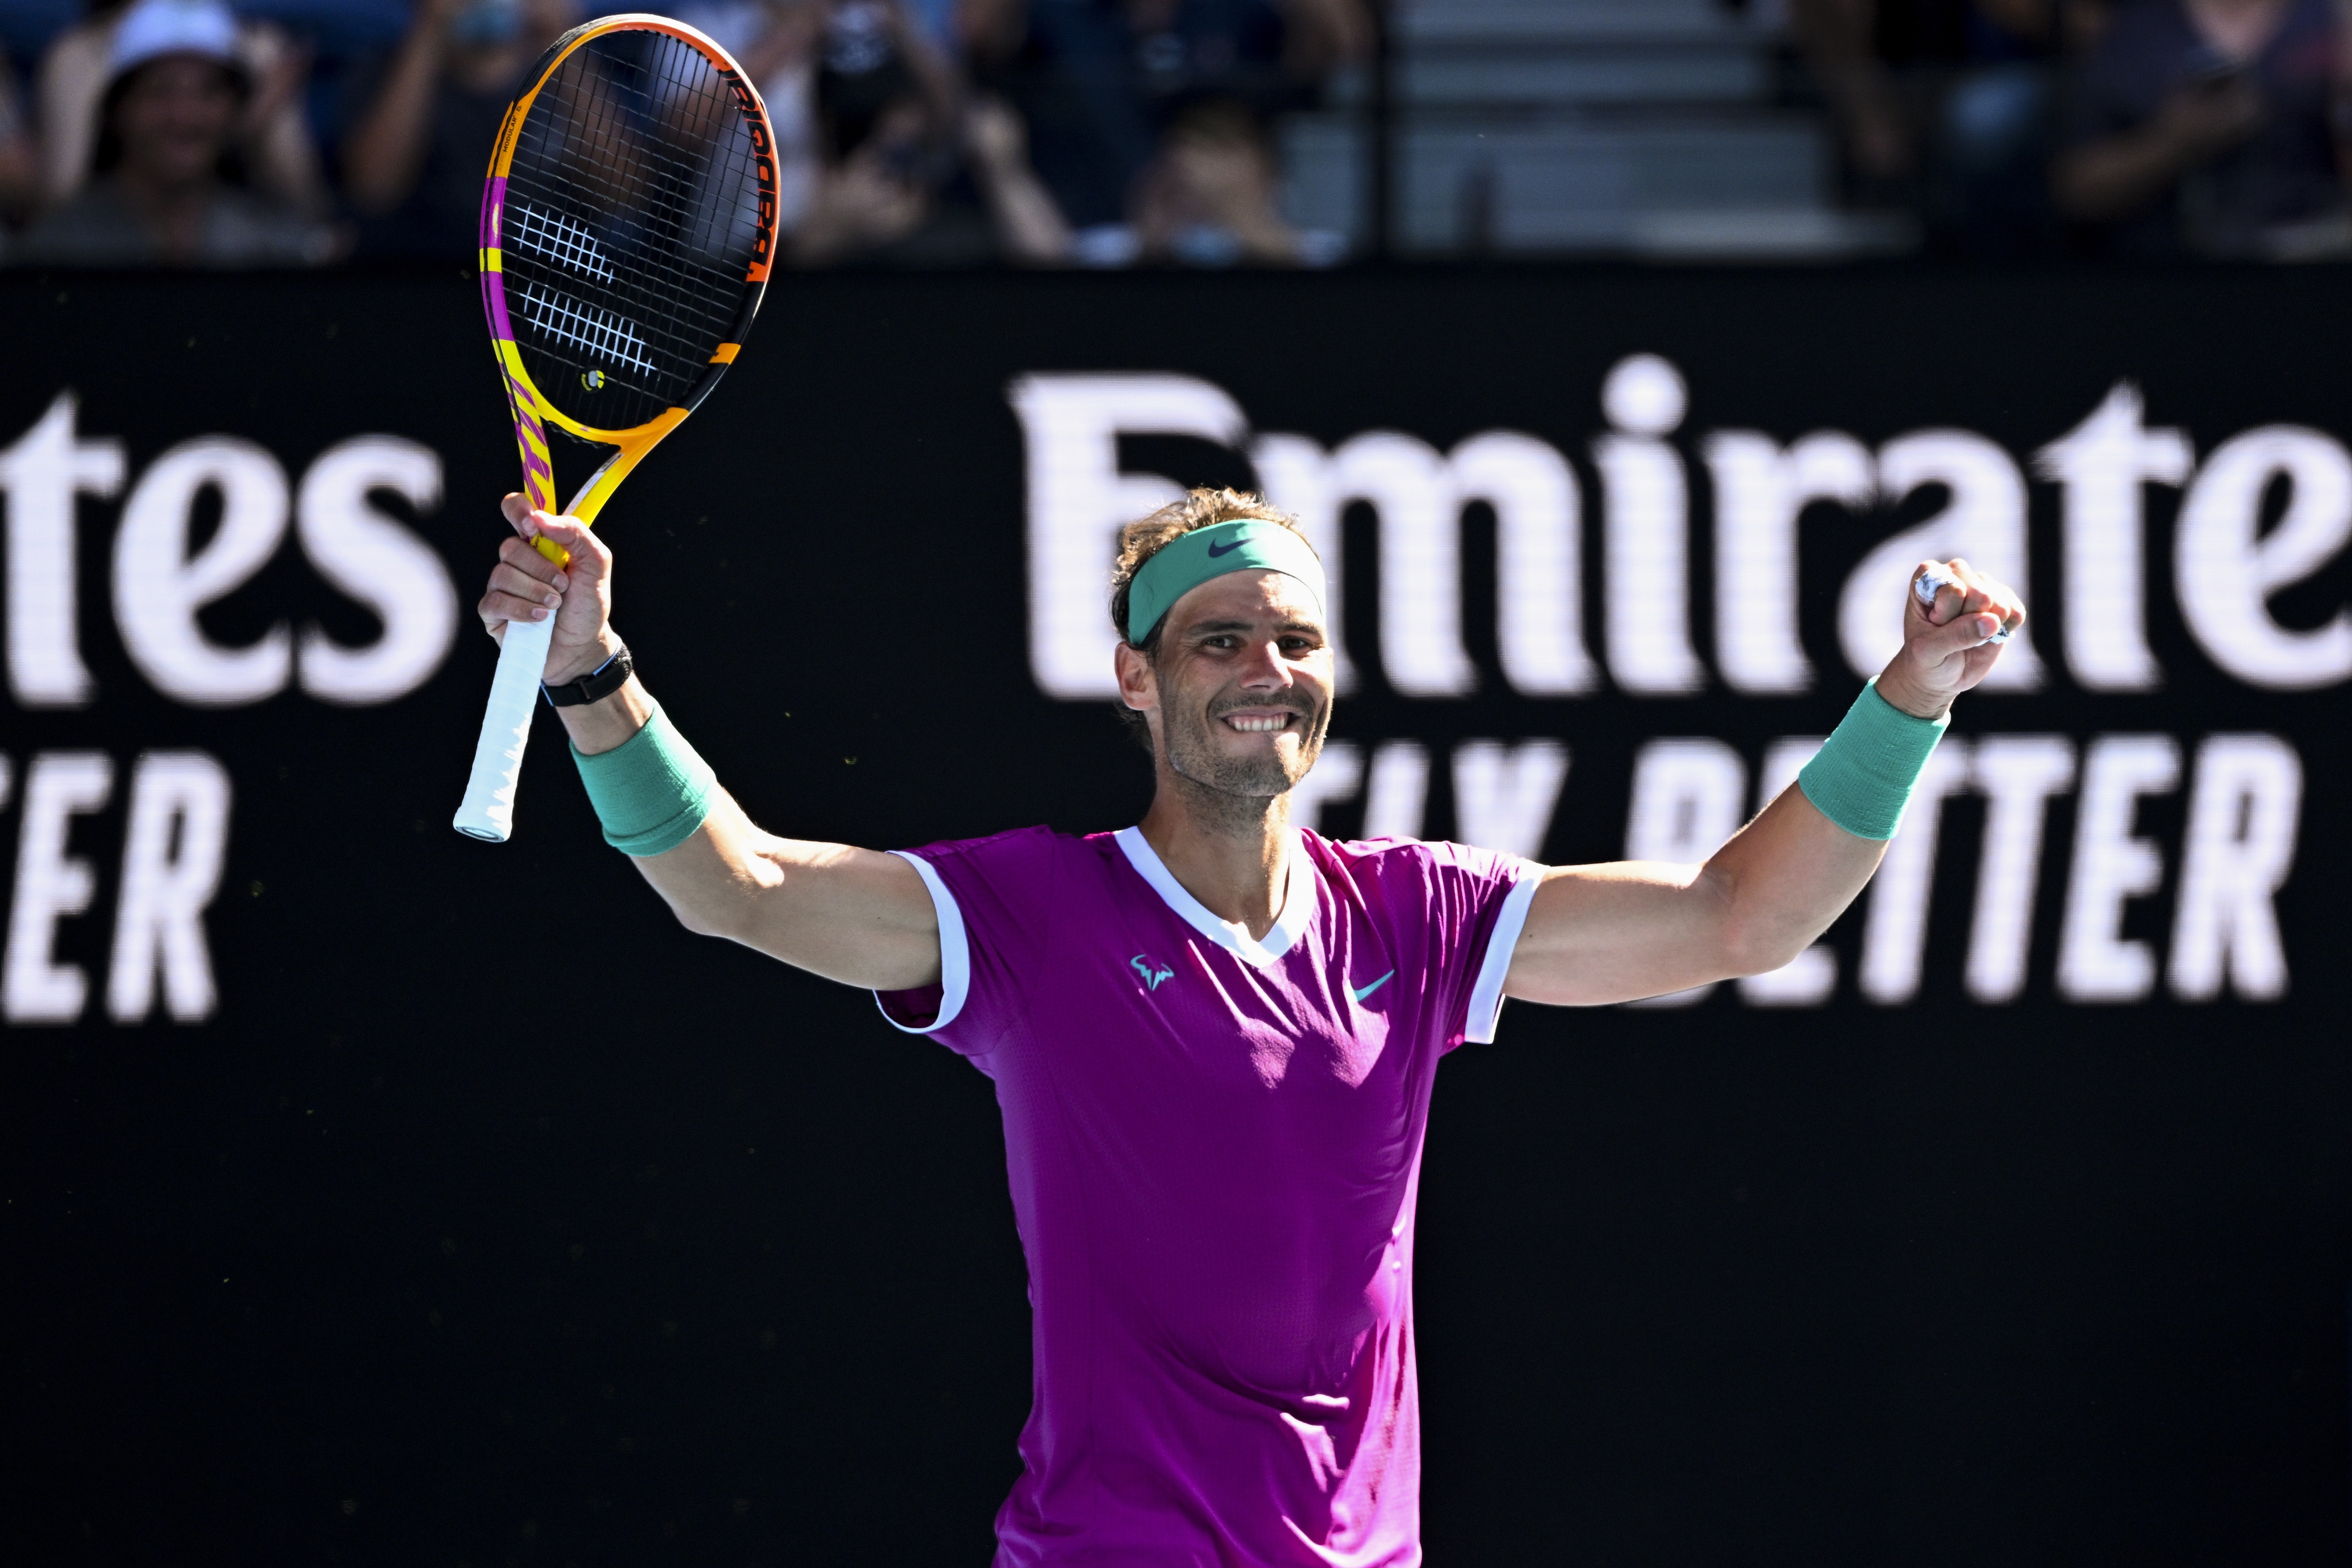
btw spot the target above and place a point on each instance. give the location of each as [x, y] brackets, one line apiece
[1244, 544]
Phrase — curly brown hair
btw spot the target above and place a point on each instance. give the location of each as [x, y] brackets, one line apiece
[1139, 541]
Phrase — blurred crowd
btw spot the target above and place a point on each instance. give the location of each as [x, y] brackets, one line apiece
[1119, 133]
[911, 133]
[2127, 130]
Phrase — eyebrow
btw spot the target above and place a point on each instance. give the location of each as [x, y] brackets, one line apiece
[1210, 628]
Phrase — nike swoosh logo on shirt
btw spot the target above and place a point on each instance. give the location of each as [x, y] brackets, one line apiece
[1366, 991]
[1216, 549]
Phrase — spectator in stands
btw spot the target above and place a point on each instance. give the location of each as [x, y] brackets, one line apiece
[413, 159]
[164, 191]
[1211, 196]
[1950, 104]
[775, 43]
[273, 142]
[1102, 82]
[2206, 128]
[764, 36]
[916, 170]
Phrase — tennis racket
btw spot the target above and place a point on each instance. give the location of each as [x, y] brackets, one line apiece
[628, 225]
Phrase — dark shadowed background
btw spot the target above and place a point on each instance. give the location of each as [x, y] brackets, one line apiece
[490, 1218]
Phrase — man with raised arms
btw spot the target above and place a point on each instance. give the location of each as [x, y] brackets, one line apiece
[1213, 1035]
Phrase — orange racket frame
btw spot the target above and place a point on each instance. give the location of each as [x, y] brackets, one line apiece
[532, 412]
[488, 809]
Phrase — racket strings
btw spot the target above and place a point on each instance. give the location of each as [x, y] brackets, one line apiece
[558, 239]
[602, 123]
[613, 159]
[631, 213]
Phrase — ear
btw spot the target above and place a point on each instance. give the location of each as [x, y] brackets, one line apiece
[1139, 683]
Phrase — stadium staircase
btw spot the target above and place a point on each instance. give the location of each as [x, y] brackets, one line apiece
[1644, 128]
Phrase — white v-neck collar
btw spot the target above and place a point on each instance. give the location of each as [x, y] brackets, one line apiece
[1298, 901]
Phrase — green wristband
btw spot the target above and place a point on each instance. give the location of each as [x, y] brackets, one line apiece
[651, 792]
[1861, 778]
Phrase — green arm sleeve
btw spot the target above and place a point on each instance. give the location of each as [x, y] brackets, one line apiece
[651, 792]
[1861, 779]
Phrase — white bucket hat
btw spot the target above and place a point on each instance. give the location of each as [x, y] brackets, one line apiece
[154, 29]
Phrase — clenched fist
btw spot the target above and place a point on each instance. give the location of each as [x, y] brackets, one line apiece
[1948, 645]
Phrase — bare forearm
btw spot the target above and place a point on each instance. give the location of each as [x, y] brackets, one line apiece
[851, 915]
[847, 914]
[828, 231]
[1608, 933]
[1784, 879]
[598, 727]
[2112, 177]
[857, 916]
[388, 148]
[1028, 225]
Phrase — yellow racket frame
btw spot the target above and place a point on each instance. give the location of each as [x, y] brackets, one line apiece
[532, 411]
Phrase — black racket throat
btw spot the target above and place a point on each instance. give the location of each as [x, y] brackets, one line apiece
[575, 463]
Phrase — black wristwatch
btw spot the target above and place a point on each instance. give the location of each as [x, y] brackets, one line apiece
[593, 687]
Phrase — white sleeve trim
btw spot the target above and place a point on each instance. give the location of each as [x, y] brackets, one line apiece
[1486, 997]
[955, 953]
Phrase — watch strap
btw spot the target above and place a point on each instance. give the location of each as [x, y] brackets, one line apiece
[593, 687]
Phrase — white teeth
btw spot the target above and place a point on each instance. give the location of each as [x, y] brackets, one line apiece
[1258, 724]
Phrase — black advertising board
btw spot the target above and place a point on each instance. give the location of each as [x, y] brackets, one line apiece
[373, 1194]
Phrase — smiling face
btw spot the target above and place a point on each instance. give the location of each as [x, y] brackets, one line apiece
[175, 118]
[1240, 695]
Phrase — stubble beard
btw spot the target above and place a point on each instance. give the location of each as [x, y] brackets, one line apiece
[1230, 794]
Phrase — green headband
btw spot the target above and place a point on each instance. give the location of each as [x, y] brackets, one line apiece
[1192, 559]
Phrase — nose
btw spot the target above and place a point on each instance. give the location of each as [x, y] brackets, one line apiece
[1265, 668]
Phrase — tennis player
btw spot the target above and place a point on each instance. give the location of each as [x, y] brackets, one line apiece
[1214, 1035]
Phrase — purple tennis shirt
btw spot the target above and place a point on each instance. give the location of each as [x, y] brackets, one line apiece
[1214, 1145]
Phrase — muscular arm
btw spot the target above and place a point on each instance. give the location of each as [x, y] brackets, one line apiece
[857, 916]
[1614, 932]
[1836, 37]
[1641, 928]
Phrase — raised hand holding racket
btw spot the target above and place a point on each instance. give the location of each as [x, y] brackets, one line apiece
[627, 226]
[574, 599]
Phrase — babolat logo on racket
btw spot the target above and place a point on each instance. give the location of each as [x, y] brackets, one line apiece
[763, 162]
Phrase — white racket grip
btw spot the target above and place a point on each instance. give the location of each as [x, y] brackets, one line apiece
[488, 811]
